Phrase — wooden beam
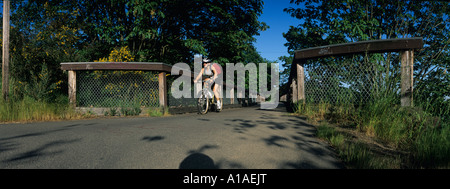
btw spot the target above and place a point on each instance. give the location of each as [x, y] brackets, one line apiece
[144, 66]
[372, 46]
[407, 71]
[5, 50]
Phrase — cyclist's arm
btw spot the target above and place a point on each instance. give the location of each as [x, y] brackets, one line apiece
[198, 76]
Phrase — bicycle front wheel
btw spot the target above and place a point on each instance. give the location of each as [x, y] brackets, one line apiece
[203, 104]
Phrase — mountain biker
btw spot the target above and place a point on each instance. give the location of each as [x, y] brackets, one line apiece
[213, 70]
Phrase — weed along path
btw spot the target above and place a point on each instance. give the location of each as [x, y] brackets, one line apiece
[242, 138]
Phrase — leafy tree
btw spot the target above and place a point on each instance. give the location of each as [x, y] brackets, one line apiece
[42, 36]
[173, 31]
[50, 32]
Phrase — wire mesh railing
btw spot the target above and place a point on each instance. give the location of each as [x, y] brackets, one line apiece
[108, 88]
[131, 85]
[353, 79]
[355, 72]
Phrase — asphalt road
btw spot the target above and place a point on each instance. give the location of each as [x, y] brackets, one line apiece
[239, 138]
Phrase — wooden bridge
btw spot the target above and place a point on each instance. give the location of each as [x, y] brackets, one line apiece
[406, 47]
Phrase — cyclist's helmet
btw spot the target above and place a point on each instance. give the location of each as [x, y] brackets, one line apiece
[206, 60]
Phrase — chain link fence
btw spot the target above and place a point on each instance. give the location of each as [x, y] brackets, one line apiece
[350, 79]
[117, 89]
[105, 89]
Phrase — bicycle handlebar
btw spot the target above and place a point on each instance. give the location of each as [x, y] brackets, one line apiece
[203, 81]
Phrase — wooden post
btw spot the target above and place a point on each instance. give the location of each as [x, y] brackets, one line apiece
[294, 91]
[162, 90]
[240, 95]
[300, 83]
[407, 62]
[232, 95]
[5, 50]
[73, 88]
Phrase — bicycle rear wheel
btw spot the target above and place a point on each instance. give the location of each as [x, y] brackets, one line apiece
[203, 104]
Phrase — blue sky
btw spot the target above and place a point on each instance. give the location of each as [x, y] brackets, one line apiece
[270, 43]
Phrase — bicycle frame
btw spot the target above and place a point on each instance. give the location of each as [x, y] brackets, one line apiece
[206, 99]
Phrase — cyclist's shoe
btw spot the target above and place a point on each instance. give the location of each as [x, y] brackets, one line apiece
[218, 105]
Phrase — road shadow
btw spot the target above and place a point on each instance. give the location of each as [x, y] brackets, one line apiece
[241, 125]
[275, 141]
[44, 150]
[152, 138]
[197, 161]
[203, 148]
[278, 129]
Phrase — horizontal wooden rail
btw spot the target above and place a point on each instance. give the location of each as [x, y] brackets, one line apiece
[373, 46]
[144, 66]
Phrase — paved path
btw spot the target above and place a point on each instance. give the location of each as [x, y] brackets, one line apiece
[246, 138]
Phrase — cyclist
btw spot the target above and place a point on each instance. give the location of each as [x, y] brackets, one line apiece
[213, 70]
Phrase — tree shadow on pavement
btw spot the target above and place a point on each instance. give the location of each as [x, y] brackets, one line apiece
[44, 150]
[153, 138]
[284, 131]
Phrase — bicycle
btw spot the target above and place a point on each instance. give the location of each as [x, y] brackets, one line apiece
[207, 101]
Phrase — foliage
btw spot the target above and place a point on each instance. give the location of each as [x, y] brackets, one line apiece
[172, 31]
[50, 32]
[332, 22]
[121, 54]
[130, 111]
[42, 35]
[40, 87]
[157, 112]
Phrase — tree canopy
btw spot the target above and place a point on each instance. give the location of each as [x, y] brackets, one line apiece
[50, 32]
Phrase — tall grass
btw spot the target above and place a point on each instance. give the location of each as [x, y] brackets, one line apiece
[432, 148]
[29, 109]
[355, 155]
[36, 100]
[412, 129]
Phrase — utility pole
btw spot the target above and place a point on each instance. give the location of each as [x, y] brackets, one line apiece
[5, 50]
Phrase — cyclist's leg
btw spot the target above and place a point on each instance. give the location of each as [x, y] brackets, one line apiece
[218, 97]
[217, 84]
[216, 93]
